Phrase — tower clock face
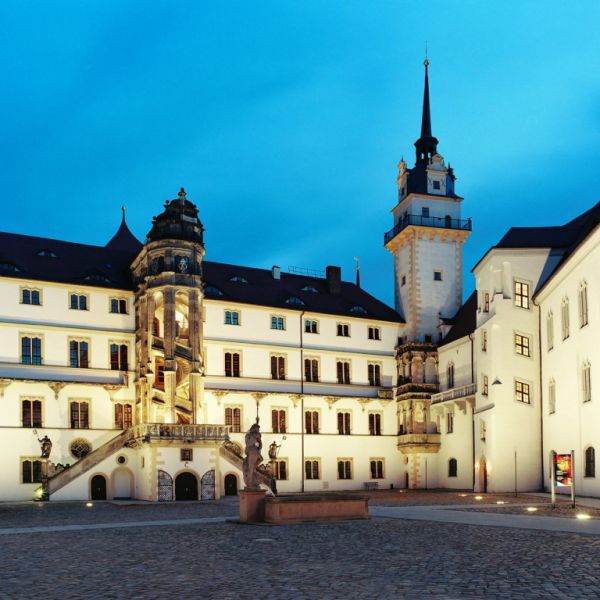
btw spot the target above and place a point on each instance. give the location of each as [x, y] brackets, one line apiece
[183, 264]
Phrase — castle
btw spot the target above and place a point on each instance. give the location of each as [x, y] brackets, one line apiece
[139, 366]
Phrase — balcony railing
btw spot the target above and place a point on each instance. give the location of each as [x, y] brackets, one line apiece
[439, 222]
[149, 432]
[455, 393]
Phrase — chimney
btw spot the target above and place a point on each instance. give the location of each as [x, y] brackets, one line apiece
[276, 271]
[334, 279]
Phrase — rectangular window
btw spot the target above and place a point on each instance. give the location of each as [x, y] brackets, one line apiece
[436, 185]
[277, 322]
[118, 306]
[277, 367]
[233, 418]
[78, 354]
[484, 387]
[343, 371]
[123, 415]
[311, 370]
[31, 413]
[374, 423]
[425, 211]
[521, 294]
[31, 296]
[483, 340]
[344, 468]
[232, 317]
[522, 392]
[278, 420]
[312, 469]
[119, 357]
[280, 469]
[343, 423]
[522, 345]
[552, 397]
[374, 333]
[376, 465]
[482, 430]
[449, 422]
[78, 302]
[31, 350]
[403, 280]
[186, 454]
[565, 318]
[232, 364]
[31, 471]
[374, 373]
[437, 276]
[159, 371]
[583, 306]
[311, 421]
[311, 326]
[550, 331]
[80, 415]
[343, 330]
[587, 383]
[486, 302]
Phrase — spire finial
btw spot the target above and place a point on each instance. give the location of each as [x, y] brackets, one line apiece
[182, 196]
[357, 259]
[426, 145]
[123, 214]
[426, 61]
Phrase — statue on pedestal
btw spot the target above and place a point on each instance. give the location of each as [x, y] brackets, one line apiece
[253, 456]
[46, 446]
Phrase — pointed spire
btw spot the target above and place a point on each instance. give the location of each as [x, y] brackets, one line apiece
[426, 145]
[123, 215]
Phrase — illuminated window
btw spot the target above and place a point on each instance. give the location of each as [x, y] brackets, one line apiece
[521, 294]
[123, 415]
[522, 392]
[522, 345]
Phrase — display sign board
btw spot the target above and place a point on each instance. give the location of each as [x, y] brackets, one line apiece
[563, 470]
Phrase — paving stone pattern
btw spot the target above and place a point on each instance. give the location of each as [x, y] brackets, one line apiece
[379, 558]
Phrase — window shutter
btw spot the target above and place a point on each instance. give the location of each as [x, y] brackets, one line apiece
[26, 407]
[315, 370]
[274, 367]
[274, 420]
[128, 415]
[119, 416]
[26, 471]
[84, 415]
[74, 415]
[307, 371]
[340, 420]
[315, 422]
[123, 357]
[37, 413]
[228, 372]
[236, 420]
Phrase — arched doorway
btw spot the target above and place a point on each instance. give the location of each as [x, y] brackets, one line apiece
[122, 484]
[165, 487]
[98, 487]
[207, 485]
[186, 486]
[483, 478]
[231, 484]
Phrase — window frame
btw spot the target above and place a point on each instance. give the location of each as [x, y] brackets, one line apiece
[31, 336]
[518, 294]
[376, 430]
[523, 389]
[232, 312]
[120, 344]
[118, 300]
[232, 352]
[123, 405]
[345, 329]
[312, 412]
[31, 289]
[586, 381]
[277, 463]
[312, 378]
[449, 422]
[32, 460]
[233, 426]
[374, 333]
[565, 318]
[452, 467]
[589, 459]
[379, 468]
[582, 298]
[79, 341]
[375, 373]
[348, 461]
[549, 331]
[552, 396]
[312, 461]
[277, 319]
[79, 296]
[279, 410]
[313, 324]
[348, 371]
[278, 356]
[522, 344]
[437, 272]
[79, 402]
[32, 399]
[347, 427]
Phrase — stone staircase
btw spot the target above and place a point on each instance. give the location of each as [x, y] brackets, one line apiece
[86, 463]
[230, 453]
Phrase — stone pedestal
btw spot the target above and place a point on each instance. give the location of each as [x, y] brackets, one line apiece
[252, 505]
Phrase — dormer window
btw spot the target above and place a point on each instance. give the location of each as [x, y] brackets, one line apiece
[310, 289]
[4, 266]
[358, 310]
[295, 301]
[238, 279]
[211, 290]
[97, 277]
[436, 185]
[47, 253]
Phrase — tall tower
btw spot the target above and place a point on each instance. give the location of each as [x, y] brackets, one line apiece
[167, 274]
[427, 237]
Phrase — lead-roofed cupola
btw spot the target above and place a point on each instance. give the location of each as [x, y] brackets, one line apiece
[178, 221]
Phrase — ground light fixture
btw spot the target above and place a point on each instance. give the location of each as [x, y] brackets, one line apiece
[500, 502]
[463, 495]
[531, 509]
[89, 504]
[583, 516]
[478, 497]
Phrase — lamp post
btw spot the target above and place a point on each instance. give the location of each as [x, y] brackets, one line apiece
[273, 454]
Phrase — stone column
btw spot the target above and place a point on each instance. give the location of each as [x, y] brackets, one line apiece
[169, 349]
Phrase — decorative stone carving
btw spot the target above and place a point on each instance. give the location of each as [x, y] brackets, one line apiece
[80, 447]
[56, 387]
[45, 446]
[253, 456]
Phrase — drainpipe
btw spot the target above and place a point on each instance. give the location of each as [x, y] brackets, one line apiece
[302, 398]
[472, 410]
[541, 393]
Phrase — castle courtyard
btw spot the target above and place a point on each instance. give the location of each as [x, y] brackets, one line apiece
[409, 548]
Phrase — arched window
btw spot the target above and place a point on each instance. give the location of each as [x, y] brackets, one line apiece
[590, 462]
[452, 467]
[586, 381]
[564, 309]
[583, 304]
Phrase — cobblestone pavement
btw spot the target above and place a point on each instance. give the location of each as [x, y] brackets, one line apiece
[379, 558]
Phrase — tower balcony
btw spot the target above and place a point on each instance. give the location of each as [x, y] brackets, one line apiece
[421, 221]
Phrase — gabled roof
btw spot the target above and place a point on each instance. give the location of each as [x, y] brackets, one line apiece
[465, 321]
[262, 289]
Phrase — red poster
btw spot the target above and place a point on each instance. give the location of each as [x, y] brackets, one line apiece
[563, 470]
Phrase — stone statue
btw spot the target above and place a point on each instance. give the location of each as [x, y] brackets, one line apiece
[273, 450]
[253, 456]
[46, 446]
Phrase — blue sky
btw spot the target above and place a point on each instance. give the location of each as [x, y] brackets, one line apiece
[285, 120]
